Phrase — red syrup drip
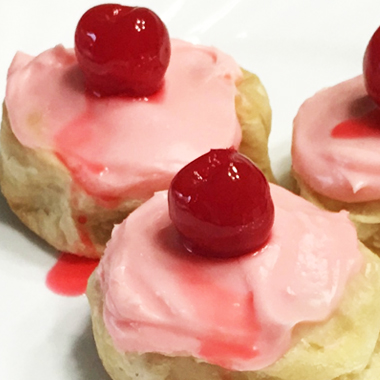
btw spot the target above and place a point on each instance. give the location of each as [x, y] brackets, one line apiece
[365, 126]
[219, 350]
[69, 275]
[82, 219]
[212, 302]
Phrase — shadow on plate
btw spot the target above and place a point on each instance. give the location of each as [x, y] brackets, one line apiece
[281, 162]
[89, 366]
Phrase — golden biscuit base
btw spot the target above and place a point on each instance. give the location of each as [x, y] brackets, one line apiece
[41, 192]
[364, 215]
[345, 347]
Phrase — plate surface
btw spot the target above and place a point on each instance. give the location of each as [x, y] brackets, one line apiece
[295, 46]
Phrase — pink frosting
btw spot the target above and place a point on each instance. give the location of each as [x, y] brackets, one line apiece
[237, 313]
[346, 169]
[125, 147]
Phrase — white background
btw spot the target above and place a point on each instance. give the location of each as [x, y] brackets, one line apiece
[295, 46]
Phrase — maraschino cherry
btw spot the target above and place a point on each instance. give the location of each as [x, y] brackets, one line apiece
[371, 67]
[221, 205]
[122, 50]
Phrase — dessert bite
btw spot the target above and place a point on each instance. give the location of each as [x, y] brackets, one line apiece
[335, 155]
[88, 134]
[298, 293]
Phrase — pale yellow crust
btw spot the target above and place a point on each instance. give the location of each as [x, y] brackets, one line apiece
[255, 117]
[345, 347]
[365, 215]
[42, 194]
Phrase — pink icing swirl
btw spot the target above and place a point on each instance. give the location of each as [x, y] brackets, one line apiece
[125, 147]
[346, 169]
[237, 313]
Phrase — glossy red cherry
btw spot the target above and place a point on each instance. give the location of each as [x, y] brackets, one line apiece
[221, 205]
[371, 67]
[122, 50]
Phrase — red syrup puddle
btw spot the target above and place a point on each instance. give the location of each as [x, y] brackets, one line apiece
[69, 275]
[365, 126]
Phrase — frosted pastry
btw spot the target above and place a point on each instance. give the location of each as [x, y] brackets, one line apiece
[306, 300]
[335, 155]
[74, 164]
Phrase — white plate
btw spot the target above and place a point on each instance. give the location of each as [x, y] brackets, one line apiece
[295, 46]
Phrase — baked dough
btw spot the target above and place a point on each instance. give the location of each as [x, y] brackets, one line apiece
[365, 215]
[345, 347]
[41, 192]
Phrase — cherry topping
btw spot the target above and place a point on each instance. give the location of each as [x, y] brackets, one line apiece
[371, 67]
[122, 50]
[221, 205]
